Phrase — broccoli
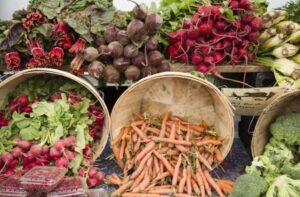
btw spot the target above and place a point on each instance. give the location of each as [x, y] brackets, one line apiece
[287, 128]
[283, 186]
[249, 185]
[292, 171]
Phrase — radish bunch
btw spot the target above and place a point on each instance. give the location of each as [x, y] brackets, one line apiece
[94, 176]
[211, 38]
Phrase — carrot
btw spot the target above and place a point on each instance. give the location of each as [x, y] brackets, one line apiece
[167, 140]
[130, 194]
[183, 195]
[161, 191]
[142, 186]
[153, 130]
[119, 137]
[187, 136]
[176, 171]
[116, 177]
[154, 173]
[204, 124]
[204, 161]
[141, 166]
[195, 187]
[162, 187]
[139, 115]
[197, 128]
[172, 134]
[138, 180]
[218, 155]
[114, 181]
[122, 149]
[139, 132]
[210, 159]
[122, 189]
[145, 151]
[152, 185]
[200, 183]
[205, 183]
[137, 145]
[127, 153]
[211, 181]
[164, 161]
[163, 125]
[189, 180]
[182, 181]
[150, 166]
[134, 137]
[161, 168]
[116, 152]
[156, 165]
[162, 176]
[163, 150]
[213, 142]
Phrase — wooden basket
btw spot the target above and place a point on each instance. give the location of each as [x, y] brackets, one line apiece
[286, 103]
[184, 95]
[10, 83]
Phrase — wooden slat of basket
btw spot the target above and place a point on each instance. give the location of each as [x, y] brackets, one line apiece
[223, 68]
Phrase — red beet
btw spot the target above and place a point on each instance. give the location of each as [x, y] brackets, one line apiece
[131, 51]
[153, 22]
[116, 49]
[110, 33]
[155, 58]
[151, 44]
[136, 30]
[139, 60]
[164, 66]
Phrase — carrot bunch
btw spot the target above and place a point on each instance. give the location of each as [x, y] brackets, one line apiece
[167, 156]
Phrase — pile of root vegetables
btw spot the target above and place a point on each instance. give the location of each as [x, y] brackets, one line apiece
[132, 53]
[217, 34]
[50, 122]
[167, 156]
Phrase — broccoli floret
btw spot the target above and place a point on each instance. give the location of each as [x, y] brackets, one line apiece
[283, 186]
[249, 185]
[292, 171]
[287, 128]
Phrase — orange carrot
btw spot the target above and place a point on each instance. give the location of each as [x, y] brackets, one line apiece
[134, 137]
[172, 134]
[182, 181]
[116, 152]
[137, 145]
[205, 183]
[139, 115]
[204, 161]
[140, 132]
[141, 166]
[182, 148]
[156, 165]
[122, 189]
[119, 137]
[114, 181]
[189, 180]
[130, 194]
[218, 155]
[211, 181]
[162, 176]
[165, 162]
[162, 187]
[146, 150]
[161, 191]
[163, 125]
[142, 185]
[167, 140]
[127, 153]
[182, 195]
[213, 142]
[153, 130]
[176, 171]
[163, 150]
[195, 187]
[200, 183]
[122, 149]
[138, 180]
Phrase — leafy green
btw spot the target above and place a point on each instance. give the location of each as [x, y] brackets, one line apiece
[261, 6]
[284, 186]
[13, 37]
[293, 10]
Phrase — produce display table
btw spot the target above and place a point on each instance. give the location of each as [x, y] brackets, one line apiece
[231, 167]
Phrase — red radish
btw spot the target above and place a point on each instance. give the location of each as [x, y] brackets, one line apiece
[42, 161]
[54, 153]
[196, 59]
[69, 155]
[244, 4]
[27, 109]
[234, 4]
[242, 52]
[196, 18]
[31, 165]
[193, 33]
[253, 36]
[59, 144]
[6, 157]
[62, 162]
[179, 35]
[205, 29]
[246, 18]
[237, 24]
[55, 96]
[13, 106]
[87, 152]
[187, 23]
[35, 100]
[100, 176]
[25, 145]
[22, 101]
[202, 68]
[26, 160]
[208, 60]
[190, 43]
[227, 43]
[3, 123]
[70, 141]
[13, 164]
[92, 182]
[92, 172]
[249, 56]
[36, 150]
[45, 150]
[17, 152]
[218, 57]
[82, 171]
[218, 46]
[220, 25]
[1, 114]
[256, 23]
[9, 172]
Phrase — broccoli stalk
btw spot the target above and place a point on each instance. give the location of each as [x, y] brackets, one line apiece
[283, 186]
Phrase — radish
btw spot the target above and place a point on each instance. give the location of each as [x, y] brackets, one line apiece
[92, 182]
[190, 43]
[42, 161]
[17, 152]
[234, 4]
[13, 164]
[202, 68]
[244, 4]
[6, 157]
[62, 162]
[55, 96]
[59, 144]
[70, 141]
[246, 18]
[24, 144]
[87, 151]
[256, 23]
[36, 150]
[54, 153]
[208, 60]
[27, 109]
[187, 23]
[9, 172]
[92, 172]
[82, 171]
[253, 36]
[176, 36]
[196, 59]
[13, 106]
[205, 29]
[218, 57]
[192, 33]
[26, 160]
[3, 123]
[100, 176]
[22, 101]
[220, 25]
[69, 155]
[45, 150]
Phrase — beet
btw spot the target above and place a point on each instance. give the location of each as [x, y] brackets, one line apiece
[96, 69]
[132, 73]
[149, 70]
[104, 53]
[116, 49]
[151, 44]
[164, 66]
[153, 22]
[121, 63]
[140, 11]
[100, 40]
[131, 51]
[112, 75]
[122, 37]
[139, 60]
[136, 30]
[110, 33]
[90, 54]
[155, 58]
